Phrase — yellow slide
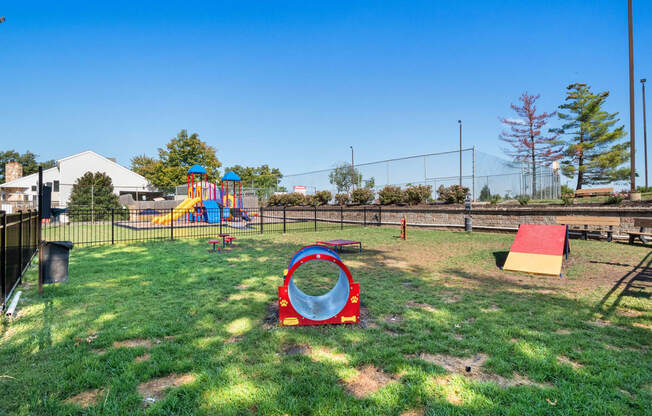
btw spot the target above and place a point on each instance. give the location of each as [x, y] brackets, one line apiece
[181, 209]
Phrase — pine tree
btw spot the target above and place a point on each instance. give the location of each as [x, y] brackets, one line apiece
[594, 149]
[92, 198]
[525, 136]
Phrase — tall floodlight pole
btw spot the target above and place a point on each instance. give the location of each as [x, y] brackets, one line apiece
[644, 133]
[632, 135]
[460, 123]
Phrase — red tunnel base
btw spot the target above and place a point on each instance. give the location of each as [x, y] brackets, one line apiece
[287, 316]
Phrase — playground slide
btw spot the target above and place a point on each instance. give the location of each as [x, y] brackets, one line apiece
[181, 209]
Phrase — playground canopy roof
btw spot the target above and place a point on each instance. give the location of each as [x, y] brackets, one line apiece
[231, 176]
[197, 169]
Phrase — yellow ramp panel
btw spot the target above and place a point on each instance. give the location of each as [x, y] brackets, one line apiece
[545, 264]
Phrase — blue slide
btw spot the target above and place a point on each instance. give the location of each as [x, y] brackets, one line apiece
[213, 211]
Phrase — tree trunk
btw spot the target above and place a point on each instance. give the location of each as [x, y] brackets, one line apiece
[580, 172]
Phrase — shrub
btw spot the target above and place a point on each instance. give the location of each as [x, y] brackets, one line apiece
[495, 199]
[273, 200]
[523, 199]
[391, 195]
[567, 198]
[93, 198]
[324, 197]
[292, 199]
[485, 194]
[565, 189]
[311, 200]
[362, 196]
[453, 194]
[417, 194]
[342, 199]
[616, 199]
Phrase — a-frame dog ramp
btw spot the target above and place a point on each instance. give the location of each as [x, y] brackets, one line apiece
[538, 249]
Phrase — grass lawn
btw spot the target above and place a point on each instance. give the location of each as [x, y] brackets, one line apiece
[169, 328]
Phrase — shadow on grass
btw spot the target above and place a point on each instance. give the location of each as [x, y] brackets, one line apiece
[501, 258]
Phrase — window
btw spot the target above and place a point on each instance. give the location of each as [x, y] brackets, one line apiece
[26, 198]
[33, 188]
[48, 184]
[56, 186]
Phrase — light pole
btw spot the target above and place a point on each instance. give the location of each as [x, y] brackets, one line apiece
[460, 123]
[632, 141]
[644, 133]
[353, 167]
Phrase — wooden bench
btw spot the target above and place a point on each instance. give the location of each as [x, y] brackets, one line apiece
[581, 193]
[574, 223]
[642, 224]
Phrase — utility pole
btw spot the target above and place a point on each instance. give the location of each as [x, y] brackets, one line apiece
[632, 127]
[460, 123]
[644, 133]
[353, 167]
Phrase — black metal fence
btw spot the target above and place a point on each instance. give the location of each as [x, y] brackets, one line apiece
[92, 227]
[18, 244]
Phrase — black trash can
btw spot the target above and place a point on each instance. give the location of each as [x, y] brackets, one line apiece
[55, 260]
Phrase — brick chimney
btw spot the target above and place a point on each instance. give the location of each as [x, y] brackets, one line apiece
[13, 170]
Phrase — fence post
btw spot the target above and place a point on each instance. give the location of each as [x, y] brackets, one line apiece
[380, 213]
[112, 219]
[3, 254]
[20, 243]
[284, 217]
[315, 217]
[171, 224]
[364, 216]
[341, 217]
[261, 219]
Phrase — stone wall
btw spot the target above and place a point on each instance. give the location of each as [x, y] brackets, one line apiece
[485, 218]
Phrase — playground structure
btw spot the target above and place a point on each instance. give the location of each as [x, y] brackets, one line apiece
[208, 202]
[538, 249]
[340, 305]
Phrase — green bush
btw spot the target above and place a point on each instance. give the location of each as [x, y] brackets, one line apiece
[418, 194]
[288, 200]
[93, 199]
[523, 199]
[567, 198]
[565, 189]
[342, 199]
[362, 196]
[391, 195]
[616, 199]
[324, 197]
[494, 200]
[453, 194]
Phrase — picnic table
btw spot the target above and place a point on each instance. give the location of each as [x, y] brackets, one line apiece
[339, 244]
[226, 238]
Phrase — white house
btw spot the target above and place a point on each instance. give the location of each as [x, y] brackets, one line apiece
[66, 172]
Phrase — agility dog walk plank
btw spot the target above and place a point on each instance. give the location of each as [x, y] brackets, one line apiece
[538, 249]
[340, 305]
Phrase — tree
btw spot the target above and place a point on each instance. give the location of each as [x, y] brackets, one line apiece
[344, 177]
[92, 198]
[261, 177]
[171, 167]
[27, 160]
[524, 135]
[594, 149]
[485, 194]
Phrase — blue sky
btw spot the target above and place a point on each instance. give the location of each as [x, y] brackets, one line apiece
[294, 84]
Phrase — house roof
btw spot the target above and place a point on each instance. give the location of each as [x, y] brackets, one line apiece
[231, 176]
[27, 181]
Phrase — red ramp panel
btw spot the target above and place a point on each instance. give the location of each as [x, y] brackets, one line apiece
[538, 249]
[340, 305]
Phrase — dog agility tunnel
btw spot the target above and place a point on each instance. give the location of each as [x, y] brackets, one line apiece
[340, 305]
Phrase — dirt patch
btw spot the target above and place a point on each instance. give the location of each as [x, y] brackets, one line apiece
[392, 333]
[471, 367]
[612, 347]
[410, 285]
[450, 297]
[398, 264]
[458, 337]
[515, 340]
[491, 308]
[562, 359]
[367, 381]
[366, 320]
[563, 332]
[414, 412]
[86, 398]
[142, 358]
[642, 325]
[600, 323]
[99, 351]
[327, 354]
[424, 306]
[297, 349]
[270, 321]
[393, 319]
[233, 339]
[242, 286]
[132, 343]
[630, 313]
[154, 390]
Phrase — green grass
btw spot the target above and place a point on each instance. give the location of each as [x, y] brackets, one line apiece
[205, 315]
